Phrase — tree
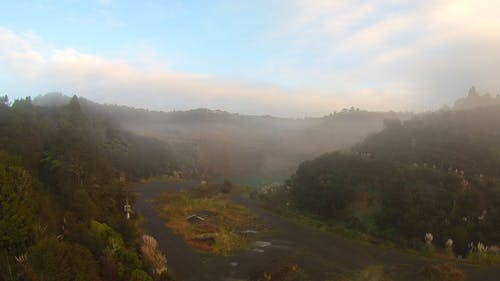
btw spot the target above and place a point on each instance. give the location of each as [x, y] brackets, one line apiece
[140, 275]
[16, 213]
[64, 178]
[16, 207]
[54, 260]
[75, 111]
[473, 92]
[227, 186]
[23, 106]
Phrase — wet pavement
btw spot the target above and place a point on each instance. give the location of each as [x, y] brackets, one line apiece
[322, 255]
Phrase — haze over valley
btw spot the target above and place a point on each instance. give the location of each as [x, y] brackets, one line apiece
[298, 140]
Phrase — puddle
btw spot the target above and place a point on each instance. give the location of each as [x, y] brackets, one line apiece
[249, 231]
[262, 244]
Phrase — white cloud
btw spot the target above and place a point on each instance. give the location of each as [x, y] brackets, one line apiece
[381, 54]
[153, 85]
[431, 50]
[375, 35]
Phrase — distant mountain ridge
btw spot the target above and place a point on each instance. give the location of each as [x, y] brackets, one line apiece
[231, 144]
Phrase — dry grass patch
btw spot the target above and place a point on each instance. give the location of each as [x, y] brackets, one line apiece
[443, 272]
[207, 220]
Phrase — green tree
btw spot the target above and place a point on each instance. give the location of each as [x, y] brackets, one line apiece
[140, 275]
[227, 186]
[75, 111]
[16, 208]
[54, 260]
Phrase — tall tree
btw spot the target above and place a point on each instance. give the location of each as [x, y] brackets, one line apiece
[75, 111]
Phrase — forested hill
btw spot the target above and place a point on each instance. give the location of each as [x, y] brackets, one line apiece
[475, 100]
[228, 144]
[62, 193]
[463, 140]
[438, 173]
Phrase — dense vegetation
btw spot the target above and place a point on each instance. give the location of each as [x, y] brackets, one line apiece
[234, 145]
[438, 174]
[62, 194]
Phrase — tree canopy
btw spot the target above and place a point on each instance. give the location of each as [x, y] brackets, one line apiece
[61, 210]
[436, 173]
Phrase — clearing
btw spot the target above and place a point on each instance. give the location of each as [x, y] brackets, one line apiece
[207, 220]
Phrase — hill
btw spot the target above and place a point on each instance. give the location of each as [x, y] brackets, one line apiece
[231, 145]
[437, 173]
[62, 193]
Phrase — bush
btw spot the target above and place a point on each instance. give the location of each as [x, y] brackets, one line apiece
[428, 250]
[226, 187]
[152, 255]
[484, 254]
[54, 260]
[105, 238]
[139, 275]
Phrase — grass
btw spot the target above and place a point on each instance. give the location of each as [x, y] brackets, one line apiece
[428, 252]
[291, 213]
[296, 273]
[484, 258]
[292, 272]
[371, 273]
[276, 200]
[219, 229]
[443, 272]
[162, 178]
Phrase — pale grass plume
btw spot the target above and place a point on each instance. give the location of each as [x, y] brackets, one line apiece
[152, 255]
[428, 238]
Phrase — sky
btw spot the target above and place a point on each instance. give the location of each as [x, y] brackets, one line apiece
[291, 58]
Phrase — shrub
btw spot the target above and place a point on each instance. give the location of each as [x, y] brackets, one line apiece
[56, 260]
[484, 254]
[152, 255]
[449, 248]
[139, 275]
[226, 187]
[428, 248]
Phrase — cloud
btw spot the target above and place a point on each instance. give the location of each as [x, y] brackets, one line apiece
[427, 52]
[374, 35]
[380, 54]
[151, 84]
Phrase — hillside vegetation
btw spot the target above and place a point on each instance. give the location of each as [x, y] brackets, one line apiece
[219, 144]
[437, 174]
[62, 194]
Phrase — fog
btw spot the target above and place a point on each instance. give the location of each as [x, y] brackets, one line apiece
[250, 140]
[233, 145]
